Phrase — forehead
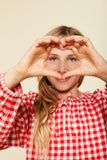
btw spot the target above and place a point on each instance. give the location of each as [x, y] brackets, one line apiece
[60, 52]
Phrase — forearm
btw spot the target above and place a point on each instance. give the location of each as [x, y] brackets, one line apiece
[103, 74]
[12, 78]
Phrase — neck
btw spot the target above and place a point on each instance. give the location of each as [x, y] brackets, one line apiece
[75, 93]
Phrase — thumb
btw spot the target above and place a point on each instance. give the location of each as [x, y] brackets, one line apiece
[52, 74]
[72, 73]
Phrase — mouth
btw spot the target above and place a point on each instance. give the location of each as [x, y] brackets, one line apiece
[63, 80]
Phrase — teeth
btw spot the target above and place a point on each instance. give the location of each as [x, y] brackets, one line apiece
[65, 79]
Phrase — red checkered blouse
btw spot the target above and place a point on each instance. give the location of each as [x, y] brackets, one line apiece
[79, 131]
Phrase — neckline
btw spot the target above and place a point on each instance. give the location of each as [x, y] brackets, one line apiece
[69, 97]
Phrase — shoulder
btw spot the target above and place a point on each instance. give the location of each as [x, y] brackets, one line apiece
[100, 93]
[97, 97]
[16, 95]
[92, 97]
[31, 96]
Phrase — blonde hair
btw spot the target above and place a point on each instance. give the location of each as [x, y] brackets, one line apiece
[47, 98]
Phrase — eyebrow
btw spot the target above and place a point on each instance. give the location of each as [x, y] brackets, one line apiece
[69, 55]
[53, 54]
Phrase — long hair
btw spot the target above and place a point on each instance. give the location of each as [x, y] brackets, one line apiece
[46, 103]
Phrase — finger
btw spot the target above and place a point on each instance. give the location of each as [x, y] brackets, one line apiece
[50, 42]
[49, 48]
[63, 43]
[78, 39]
[68, 41]
[54, 40]
[72, 73]
[41, 42]
[82, 40]
[73, 38]
[76, 45]
[73, 49]
[46, 39]
[52, 74]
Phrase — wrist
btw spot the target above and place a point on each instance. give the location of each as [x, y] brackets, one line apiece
[12, 78]
[103, 77]
[103, 74]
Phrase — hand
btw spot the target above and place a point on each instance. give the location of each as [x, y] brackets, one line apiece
[91, 63]
[33, 62]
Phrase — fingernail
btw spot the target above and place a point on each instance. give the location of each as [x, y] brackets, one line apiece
[60, 46]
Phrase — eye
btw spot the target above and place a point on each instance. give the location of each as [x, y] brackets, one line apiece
[72, 59]
[52, 58]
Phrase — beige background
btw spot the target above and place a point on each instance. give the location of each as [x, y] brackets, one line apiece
[22, 21]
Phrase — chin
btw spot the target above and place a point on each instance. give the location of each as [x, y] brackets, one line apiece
[65, 86]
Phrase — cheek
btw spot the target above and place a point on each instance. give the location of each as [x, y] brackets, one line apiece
[51, 80]
[51, 65]
[73, 65]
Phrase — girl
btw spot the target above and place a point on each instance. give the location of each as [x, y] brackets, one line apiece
[61, 122]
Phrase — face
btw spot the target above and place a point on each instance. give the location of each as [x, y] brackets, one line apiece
[62, 61]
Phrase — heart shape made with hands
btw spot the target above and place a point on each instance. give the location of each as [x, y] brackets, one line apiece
[84, 51]
[63, 46]
[68, 43]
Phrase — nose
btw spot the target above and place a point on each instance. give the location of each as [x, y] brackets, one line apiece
[62, 68]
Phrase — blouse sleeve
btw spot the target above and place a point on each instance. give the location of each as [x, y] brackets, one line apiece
[101, 102]
[15, 108]
[104, 106]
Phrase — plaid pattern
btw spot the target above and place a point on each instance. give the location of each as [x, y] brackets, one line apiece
[79, 132]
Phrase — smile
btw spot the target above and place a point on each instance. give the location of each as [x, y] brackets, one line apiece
[63, 80]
